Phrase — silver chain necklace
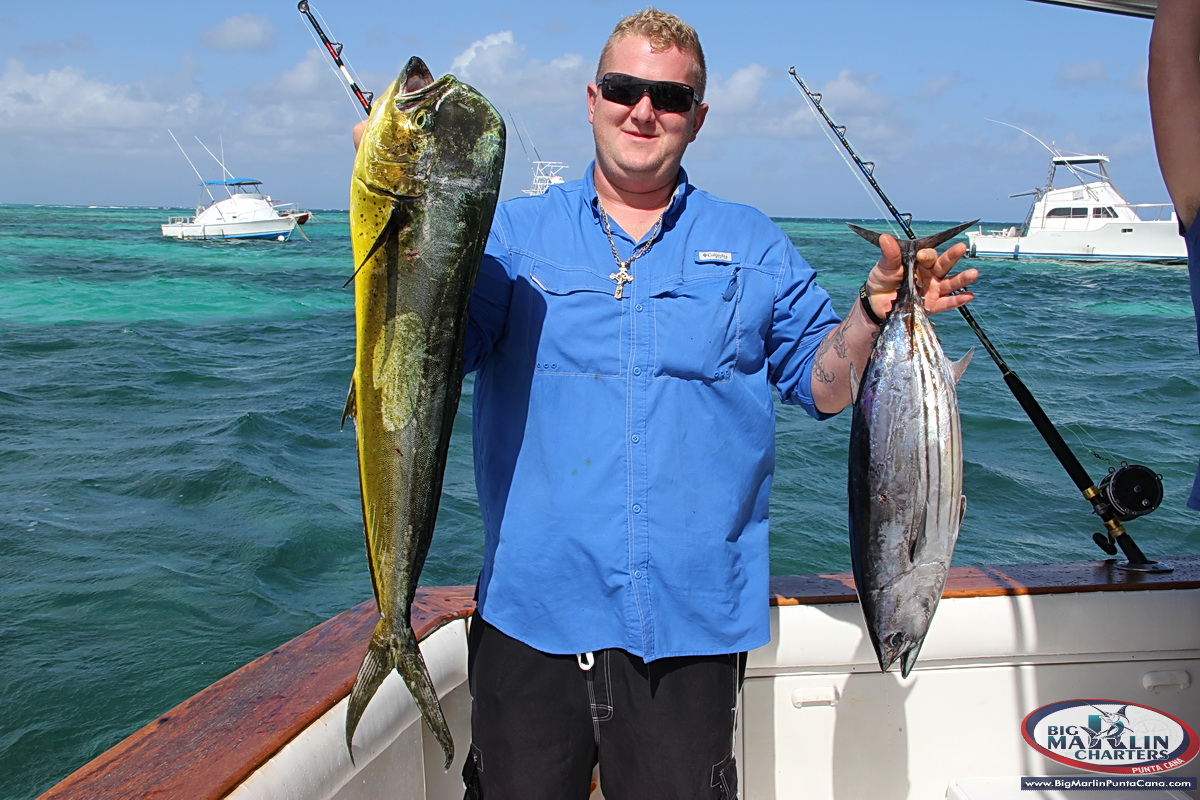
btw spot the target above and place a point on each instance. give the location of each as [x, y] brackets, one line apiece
[622, 276]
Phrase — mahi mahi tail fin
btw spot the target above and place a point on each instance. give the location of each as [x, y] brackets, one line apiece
[375, 667]
[399, 652]
[412, 668]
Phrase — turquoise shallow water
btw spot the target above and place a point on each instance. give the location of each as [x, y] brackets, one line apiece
[176, 496]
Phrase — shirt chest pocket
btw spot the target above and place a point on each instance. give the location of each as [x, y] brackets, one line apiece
[580, 321]
[696, 322]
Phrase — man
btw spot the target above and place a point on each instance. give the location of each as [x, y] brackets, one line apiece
[628, 330]
[1174, 84]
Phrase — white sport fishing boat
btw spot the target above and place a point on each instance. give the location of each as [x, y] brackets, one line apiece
[1088, 220]
[545, 175]
[246, 213]
[243, 213]
[1014, 654]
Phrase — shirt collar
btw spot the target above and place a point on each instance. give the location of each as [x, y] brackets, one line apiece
[674, 208]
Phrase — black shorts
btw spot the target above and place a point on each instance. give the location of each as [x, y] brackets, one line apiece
[540, 723]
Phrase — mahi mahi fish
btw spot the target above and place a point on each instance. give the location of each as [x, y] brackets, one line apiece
[905, 475]
[422, 199]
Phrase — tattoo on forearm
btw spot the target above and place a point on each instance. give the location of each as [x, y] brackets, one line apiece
[835, 342]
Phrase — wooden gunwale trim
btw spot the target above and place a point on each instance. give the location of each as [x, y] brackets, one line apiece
[996, 581]
[206, 746]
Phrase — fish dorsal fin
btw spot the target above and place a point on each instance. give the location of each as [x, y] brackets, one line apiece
[959, 367]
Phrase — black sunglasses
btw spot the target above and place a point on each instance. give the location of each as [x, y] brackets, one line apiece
[627, 90]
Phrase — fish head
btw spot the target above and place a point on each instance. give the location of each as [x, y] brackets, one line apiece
[421, 122]
[902, 620]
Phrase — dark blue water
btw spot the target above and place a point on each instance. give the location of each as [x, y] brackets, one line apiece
[176, 495]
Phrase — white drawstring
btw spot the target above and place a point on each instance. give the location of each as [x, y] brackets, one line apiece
[586, 661]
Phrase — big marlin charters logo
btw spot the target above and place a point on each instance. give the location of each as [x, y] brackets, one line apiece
[1110, 736]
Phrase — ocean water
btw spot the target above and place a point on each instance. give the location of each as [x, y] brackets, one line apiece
[177, 496]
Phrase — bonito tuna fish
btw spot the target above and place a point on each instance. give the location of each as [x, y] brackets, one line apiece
[421, 203]
[906, 500]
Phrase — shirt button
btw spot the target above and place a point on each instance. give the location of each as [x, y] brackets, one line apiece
[637, 370]
[637, 573]
[637, 509]
[635, 438]
[639, 306]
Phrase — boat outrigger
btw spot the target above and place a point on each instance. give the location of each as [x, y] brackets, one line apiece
[1085, 221]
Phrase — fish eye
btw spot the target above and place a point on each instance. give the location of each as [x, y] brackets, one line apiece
[422, 119]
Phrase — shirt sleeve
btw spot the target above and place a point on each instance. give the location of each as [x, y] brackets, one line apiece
[802, 316]
[488, 311]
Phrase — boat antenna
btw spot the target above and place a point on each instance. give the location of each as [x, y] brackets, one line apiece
[335, 52]
[1055, 153]
[1107, 500]
[193, 166]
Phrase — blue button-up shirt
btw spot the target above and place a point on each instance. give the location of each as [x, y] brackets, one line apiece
[624, 448]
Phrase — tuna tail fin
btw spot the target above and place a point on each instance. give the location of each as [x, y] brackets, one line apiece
[959, 367]
[411, 666]
[870, 236]
[375, 667]
[934, 239]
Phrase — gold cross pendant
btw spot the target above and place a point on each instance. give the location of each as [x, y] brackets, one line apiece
[622, 277]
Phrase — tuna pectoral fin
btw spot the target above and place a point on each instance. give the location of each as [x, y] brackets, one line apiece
[959, 367]
[397, 649]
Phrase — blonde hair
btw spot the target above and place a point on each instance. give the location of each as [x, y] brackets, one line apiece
[663, 31]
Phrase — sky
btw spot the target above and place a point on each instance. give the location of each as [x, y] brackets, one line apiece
[89, 91]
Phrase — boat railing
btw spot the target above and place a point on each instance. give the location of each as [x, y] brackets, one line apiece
[178, 220]
[1163, 212]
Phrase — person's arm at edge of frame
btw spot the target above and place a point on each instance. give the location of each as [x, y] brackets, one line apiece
[1173, 81]
[849, 344]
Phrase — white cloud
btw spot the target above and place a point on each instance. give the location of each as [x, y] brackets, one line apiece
[491, 54]
[65, 101]
[1081, 73]
[249, 32]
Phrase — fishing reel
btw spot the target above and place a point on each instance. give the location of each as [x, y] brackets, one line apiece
[1129, 491]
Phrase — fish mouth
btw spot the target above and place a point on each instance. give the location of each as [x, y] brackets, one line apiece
[899, 646]
[415, 77]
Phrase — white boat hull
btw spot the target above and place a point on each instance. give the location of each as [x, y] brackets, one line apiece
[280, 229]
[1120, 241]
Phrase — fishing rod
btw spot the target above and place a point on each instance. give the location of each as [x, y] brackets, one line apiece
[1130, 491]
[335, 52]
